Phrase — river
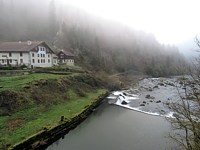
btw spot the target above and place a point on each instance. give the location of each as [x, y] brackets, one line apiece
[114, 127]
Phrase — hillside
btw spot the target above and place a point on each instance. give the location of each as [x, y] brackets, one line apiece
[99, 44]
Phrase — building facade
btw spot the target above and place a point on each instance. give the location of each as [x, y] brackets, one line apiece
[30, 54]
[65, 58]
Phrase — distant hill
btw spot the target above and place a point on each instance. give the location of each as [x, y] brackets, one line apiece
[189, 48]
[99, 44]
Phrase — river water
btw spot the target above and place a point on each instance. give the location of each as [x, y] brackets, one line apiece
[114, 127]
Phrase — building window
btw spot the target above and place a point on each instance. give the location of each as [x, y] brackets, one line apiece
[48, 55]
[21, 54]
[10, 54]
[2, 61]
[32, 54]
[48, 60]
[61, 56]
[38, 55]
[21, 61]
[33, 60]
[41, 55]
[43, 60]
[11, 61]
[38, 61]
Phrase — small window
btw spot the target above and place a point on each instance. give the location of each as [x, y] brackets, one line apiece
[38, 61]
[48, 55]
[10, 54]
[21, 61]
[2, 61]
[48, 60]
[21, 54]
[38, 55]
[33, 60]
[43, 60]
[11, 61]
[32, 54]
[41, 55]
[61, 56]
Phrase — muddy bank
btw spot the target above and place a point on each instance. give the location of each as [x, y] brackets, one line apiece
[48, 135]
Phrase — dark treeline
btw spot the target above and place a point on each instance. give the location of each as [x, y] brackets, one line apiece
[98, 43]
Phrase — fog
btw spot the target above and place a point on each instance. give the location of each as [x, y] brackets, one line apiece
[99, 43]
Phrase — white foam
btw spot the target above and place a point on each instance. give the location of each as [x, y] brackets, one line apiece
[116, 93]
[120, 97]
[111, 97]
[169, 115]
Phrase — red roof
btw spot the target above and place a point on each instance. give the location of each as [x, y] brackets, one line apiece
[19, 46]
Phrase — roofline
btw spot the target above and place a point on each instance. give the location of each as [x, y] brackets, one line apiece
[41, 42]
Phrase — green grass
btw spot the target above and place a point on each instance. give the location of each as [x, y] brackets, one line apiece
[18, 82]
[36, 119]
[4, 71]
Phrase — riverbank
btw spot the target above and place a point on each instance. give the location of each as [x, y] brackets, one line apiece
[49, 134]
[34, 102]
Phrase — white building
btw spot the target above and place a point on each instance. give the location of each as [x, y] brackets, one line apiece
[31, 54]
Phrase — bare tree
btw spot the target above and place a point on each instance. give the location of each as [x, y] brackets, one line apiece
[186, 121]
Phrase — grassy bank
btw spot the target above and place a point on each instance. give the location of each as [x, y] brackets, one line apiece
[18, 82]
[41, 105]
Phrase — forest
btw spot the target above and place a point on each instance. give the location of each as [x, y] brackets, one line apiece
[99, 44]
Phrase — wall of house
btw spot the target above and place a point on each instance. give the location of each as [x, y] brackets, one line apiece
[42, 58]
[69, 62]
[14, 58]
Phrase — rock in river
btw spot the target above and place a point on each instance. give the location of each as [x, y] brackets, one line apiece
[147, 96]
[158, 101]
[124, 103]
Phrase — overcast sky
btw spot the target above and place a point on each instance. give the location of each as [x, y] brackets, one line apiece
[171, 21]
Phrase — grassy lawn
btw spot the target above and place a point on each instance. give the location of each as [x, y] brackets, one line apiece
[7, 71]
[18, 82]
[34, 119]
